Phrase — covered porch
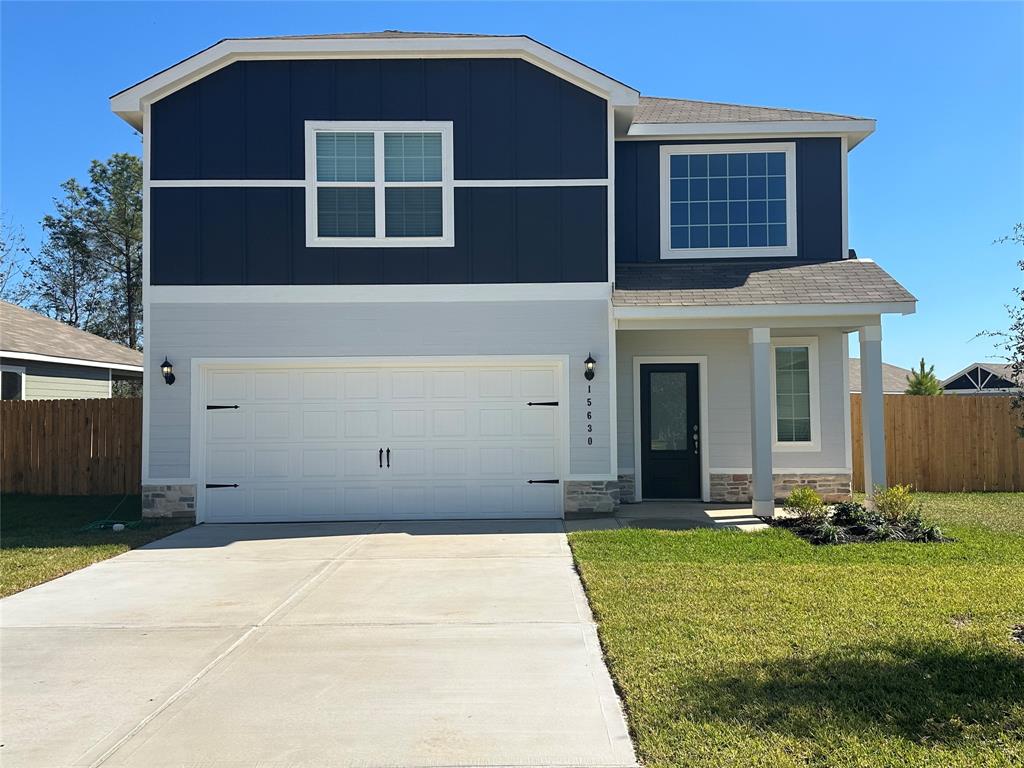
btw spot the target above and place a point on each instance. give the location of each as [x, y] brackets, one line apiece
[732, 384]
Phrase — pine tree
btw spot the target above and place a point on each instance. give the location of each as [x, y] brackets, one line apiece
[923, 381]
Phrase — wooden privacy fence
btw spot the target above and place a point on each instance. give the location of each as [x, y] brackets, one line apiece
[947, 443]
[72, 447]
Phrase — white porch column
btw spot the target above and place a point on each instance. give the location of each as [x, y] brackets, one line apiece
[761, 484]
[871, 406]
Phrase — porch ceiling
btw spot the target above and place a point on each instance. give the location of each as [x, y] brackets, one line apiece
[767, 283]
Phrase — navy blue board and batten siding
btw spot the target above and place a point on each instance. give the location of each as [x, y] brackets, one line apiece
[511, 121]
[819, 198]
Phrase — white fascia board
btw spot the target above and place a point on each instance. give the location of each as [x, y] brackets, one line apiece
[855, 130]
[68, 361]
[766, 311]
[128, 104]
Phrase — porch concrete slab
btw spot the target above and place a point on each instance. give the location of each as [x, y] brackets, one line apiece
[523, 695]
[435, 590]
[70, 693]
[682, 515]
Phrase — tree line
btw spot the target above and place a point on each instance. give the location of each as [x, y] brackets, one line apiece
[88, 269]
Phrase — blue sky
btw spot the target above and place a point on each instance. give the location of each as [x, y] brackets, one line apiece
[942, 177]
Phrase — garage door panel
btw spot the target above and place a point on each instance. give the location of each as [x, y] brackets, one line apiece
[305, 443]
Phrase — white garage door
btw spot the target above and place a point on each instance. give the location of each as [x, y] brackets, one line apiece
[378, 443]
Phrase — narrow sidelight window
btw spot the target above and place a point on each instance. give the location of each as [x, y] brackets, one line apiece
[379, 184]
[795, 402]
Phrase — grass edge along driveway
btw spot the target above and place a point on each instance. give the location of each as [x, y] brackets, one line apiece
[40, 536]
[739, 649]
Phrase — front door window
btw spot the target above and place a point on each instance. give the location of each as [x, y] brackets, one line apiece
[669, 425]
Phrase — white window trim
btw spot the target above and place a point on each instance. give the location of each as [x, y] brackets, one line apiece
[21, 373]
[814, 444]
[379, 128]
[667, 252]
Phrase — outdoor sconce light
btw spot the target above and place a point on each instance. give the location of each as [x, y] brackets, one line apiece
[167, 370]
[588, 367]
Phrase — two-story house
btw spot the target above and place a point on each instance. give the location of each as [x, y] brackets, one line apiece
[404, 275]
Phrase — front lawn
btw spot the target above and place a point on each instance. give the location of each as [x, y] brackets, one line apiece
[740, 649]
[40, 537]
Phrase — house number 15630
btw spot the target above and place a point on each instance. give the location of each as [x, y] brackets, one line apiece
[590, 417]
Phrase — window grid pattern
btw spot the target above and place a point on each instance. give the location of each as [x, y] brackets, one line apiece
[728, 200]
[345, 212]
[344, 157]
[793, 394]
[349, 191]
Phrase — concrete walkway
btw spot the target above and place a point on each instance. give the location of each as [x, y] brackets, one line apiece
[675, 516]
[394, 644]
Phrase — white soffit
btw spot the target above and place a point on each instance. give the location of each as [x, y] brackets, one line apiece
[128, 104]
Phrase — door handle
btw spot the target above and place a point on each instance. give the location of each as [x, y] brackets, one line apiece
[389, 458]
[380, 457]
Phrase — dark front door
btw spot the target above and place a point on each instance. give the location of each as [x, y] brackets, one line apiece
[670, 431]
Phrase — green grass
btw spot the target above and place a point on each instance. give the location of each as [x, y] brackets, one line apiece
[40, 538]
[739, 649]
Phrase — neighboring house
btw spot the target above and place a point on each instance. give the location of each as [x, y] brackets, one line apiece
[982, 379]
[43, 359]
[404, 275]
[894, 378]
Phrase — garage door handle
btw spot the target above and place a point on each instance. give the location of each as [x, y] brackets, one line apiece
[545, 482]
[222, 485]
[550, 403]
[389, 458]
[380, 457]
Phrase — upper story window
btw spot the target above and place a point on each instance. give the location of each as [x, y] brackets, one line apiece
[721, 200]
[379, 184]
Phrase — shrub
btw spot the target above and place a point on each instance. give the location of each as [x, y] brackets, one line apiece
[850, 513]
[895, 504]
[805, 503]
[827, 532]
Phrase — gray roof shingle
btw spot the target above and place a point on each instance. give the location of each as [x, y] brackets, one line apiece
[22, 330]
[653, 109]
[749, 282]
[894, 378]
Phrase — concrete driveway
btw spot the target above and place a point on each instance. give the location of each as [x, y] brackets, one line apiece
[393, 644]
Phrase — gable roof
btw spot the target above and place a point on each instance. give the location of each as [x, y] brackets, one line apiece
[742, 282]
[129, 103]
[894, 378]
[35, 336]
[987, 375]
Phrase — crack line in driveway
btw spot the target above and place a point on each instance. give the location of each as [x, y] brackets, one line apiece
[318, 575]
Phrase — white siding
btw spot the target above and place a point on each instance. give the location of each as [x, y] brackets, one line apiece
[184, 331]
[728, 354]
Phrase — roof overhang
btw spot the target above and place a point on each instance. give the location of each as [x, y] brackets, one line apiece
[855, 130]
[129, 104]
[13, 355]
[765, 311]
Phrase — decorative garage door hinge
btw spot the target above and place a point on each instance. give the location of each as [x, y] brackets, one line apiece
[220, 407]
[545, 482]
[553, 402]
[222, 485]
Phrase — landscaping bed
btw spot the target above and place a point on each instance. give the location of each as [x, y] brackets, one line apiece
[893, 514]
[761, 649]
[42, 537]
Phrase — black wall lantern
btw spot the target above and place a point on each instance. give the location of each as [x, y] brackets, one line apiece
[167, 370]
[588, 367]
